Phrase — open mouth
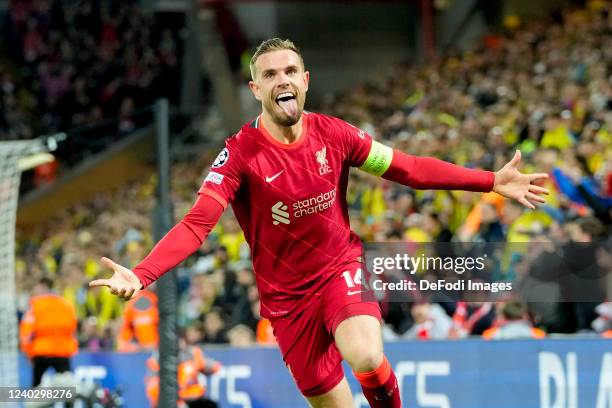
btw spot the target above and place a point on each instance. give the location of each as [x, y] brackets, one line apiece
[287, 102]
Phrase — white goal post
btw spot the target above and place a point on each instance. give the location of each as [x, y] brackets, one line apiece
[15, 157]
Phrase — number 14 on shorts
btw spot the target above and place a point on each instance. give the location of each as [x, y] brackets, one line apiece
[355, 283]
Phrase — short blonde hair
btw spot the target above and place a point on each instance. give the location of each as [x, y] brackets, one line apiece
[273, 44]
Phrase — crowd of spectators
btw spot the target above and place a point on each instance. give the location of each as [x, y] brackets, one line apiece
[73, 65]
[544, 87]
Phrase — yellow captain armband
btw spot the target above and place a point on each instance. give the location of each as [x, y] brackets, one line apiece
[379, 159]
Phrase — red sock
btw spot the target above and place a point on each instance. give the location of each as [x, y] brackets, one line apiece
[380, 386]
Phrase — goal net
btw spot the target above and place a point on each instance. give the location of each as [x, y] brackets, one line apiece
[15, 157]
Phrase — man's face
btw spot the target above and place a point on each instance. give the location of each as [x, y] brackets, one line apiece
[281, 84]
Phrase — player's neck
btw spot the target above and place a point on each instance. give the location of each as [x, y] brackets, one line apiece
[284, 134]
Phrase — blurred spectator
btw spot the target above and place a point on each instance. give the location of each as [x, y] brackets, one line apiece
[471, 318]
[582, 287]
[241, 336]
[45, 173]
[430, 322]
[265, 333]
[193, 335]
[90, 338]
[512, 323]
[47, 331]
[214, 327]
[603, 324]
[139, 330]
[192, 387]
[98, 302]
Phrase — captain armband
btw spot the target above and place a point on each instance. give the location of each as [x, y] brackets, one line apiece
[379, 159]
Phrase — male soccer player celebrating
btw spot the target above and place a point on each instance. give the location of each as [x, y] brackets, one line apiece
[286, 174]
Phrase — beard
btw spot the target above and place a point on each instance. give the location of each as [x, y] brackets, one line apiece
[285, 120]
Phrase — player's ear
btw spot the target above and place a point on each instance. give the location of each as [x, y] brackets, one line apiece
[255, 90]
[306, 78]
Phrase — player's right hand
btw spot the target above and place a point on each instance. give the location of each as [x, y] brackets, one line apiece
[124, 283]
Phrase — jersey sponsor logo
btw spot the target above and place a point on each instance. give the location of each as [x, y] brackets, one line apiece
[322, 159]
[221, 159]
[302, 208]
[313, 205]
[280, 214]
[214, 177]
[271, 179]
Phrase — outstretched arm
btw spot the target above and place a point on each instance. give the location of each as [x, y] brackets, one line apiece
[180, 242]
[428, 173]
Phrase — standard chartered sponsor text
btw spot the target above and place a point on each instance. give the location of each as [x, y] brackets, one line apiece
[314, 204]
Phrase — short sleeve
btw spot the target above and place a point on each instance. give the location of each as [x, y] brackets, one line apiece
[225, 175]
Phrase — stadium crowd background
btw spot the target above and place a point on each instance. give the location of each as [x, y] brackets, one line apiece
[86, 67]
[544, 87]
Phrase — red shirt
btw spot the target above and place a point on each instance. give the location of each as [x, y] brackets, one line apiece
[290, 200]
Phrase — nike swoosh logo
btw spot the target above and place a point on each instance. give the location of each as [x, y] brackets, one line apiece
[353, 292]
[270, 179]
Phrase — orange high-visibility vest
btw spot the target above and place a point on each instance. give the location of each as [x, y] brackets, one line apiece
[49, 327]
[140, 322]
[265, 334]
[189, 386]
[192, 364]
[536, 333]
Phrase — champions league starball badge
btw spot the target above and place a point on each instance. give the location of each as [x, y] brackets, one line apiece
[221, 159]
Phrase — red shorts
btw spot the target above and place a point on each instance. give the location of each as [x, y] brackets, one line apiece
[306, 340]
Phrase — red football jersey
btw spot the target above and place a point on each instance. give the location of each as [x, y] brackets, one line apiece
[290, 200]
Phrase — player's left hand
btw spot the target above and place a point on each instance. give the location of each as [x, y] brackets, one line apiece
[511, 183]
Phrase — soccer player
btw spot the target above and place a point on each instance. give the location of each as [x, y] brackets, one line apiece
[285, 174]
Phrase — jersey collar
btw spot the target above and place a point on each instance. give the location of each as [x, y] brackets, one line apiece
[258, 125]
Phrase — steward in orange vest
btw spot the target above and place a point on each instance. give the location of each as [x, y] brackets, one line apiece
[47, 332]
[513, 324]
[140, 321]
[191, 383]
